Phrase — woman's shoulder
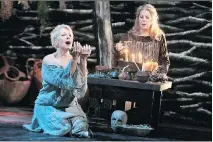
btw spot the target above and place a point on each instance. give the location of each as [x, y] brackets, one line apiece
[49, 60]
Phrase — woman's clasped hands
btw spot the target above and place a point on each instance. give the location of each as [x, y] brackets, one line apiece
[82, 51]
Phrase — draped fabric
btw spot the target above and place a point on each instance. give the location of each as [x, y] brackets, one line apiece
[56, 110]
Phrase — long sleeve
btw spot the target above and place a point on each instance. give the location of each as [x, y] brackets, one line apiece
[120, 54]
[57, 77]
[81, 83]
[163, 59]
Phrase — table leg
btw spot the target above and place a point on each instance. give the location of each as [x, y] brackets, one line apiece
[142, 114]
[156, 109]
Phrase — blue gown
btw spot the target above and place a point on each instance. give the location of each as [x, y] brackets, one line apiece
[56, 110]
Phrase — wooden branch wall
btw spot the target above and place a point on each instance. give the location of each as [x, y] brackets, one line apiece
[25, 35]
[188, 28]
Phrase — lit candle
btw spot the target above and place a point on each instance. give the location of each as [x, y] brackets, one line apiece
[126, 55]
[140, 60]
[147, 66]
[154, 65]
[150, 66]
[133, 57]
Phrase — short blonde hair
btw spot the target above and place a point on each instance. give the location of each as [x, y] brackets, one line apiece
[155, 30]
[54, 35]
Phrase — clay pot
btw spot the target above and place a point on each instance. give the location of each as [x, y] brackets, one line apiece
[124, 75]
[12, 92]
[5, 66]
[14, 84]
[35, 71]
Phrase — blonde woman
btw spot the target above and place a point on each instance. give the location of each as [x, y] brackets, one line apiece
[56, 110]
[146, 38]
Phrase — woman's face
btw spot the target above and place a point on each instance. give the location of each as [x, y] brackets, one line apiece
[65, 39]
[145, 20]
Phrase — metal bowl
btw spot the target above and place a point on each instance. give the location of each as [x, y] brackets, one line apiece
[142, 76]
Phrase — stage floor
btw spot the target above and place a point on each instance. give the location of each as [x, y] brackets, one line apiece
[12, 119]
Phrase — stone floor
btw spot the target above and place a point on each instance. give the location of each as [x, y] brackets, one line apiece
[12, 119]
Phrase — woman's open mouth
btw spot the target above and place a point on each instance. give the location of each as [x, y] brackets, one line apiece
[68, 42]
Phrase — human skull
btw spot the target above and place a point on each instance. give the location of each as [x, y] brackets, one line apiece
[118, 118]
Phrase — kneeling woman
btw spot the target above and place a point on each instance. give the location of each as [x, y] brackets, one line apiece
[56, 110]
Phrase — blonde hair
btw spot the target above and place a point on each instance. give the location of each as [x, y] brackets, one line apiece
[155, 30]
[54, 35]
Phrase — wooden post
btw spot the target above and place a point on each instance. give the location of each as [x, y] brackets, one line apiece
[156, 109]
[104, 32]
[62, 4]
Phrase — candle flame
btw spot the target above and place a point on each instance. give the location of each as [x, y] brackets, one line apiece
[126, 51]
[140, 58]
[133, 57]
[126, 55]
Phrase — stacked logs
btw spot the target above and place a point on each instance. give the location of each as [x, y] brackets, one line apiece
[26, 35]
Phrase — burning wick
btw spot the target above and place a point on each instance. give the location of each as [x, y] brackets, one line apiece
[140, 60]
